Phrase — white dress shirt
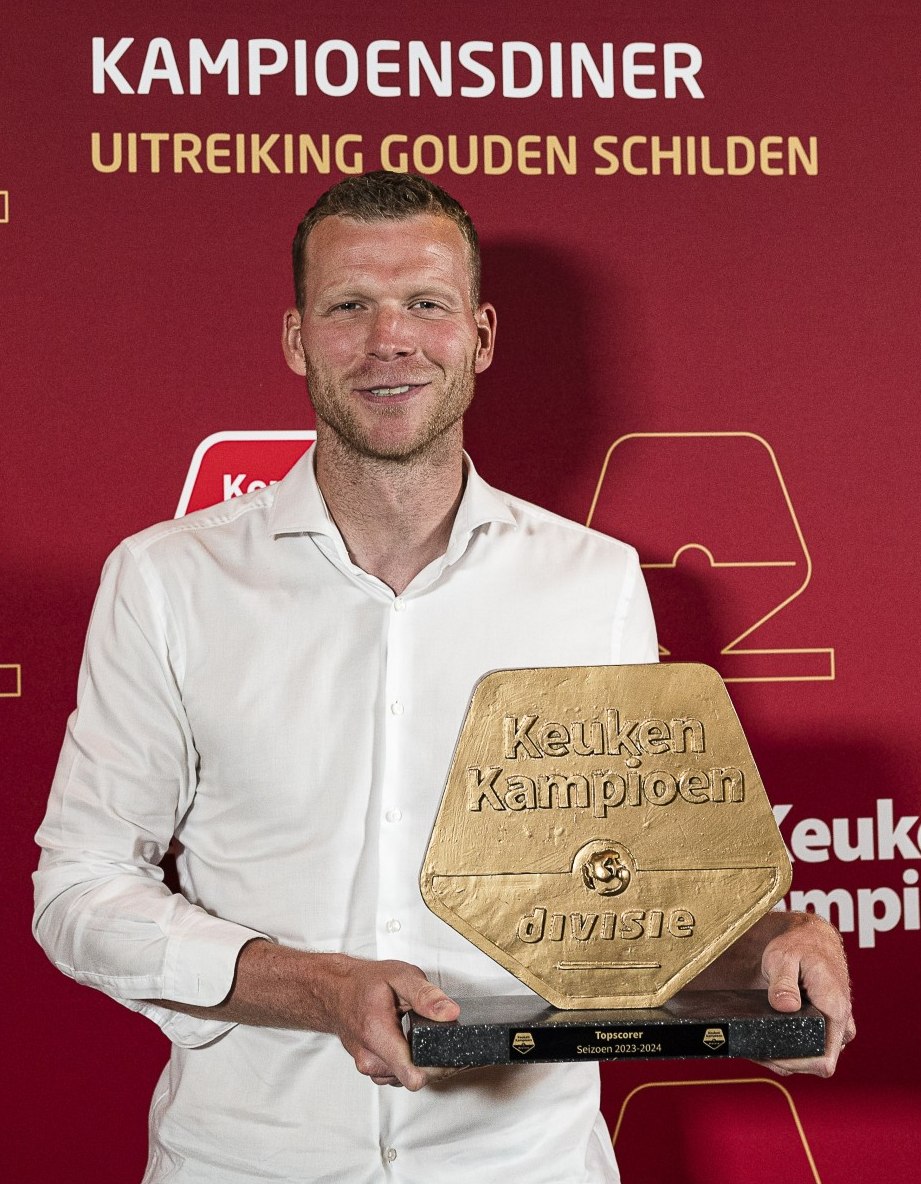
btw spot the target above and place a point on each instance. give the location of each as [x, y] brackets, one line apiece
[249, 690]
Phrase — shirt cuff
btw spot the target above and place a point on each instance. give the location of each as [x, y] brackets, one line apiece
[187, 1031]
[201, 958]
[199, 970]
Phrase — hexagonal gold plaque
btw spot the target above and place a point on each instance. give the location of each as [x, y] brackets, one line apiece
[604, 833]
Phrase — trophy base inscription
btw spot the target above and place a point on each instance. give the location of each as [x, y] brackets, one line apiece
[512, 1028]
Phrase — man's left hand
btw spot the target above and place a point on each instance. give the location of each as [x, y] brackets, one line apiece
[806, 954]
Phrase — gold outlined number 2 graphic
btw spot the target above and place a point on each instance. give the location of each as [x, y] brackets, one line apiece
[10, 680]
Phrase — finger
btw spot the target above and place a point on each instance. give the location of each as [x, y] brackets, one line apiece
[369, 1064]
[816, 1066]
[376, 1043]
[436, 1076]
[782, 974]
[385, 1053]
[433, 1076]
[780, 1068]
[427, 1000]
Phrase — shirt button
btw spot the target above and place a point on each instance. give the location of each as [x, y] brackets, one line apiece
[390, 1154]
[393, 925]
[396, 707]
[394, 814]
[398, 607]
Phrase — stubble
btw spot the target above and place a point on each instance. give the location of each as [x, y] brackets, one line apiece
[359, 438]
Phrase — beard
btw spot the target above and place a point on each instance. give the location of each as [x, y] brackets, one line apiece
[363, 431]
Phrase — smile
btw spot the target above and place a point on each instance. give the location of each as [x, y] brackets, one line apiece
[399, 392]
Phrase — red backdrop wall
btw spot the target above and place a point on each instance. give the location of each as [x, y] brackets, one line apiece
[715, 365]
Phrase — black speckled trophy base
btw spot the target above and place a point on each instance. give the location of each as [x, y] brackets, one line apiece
[510, 1028]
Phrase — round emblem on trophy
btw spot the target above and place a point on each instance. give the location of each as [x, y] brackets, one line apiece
[606, 873]
[604, 867]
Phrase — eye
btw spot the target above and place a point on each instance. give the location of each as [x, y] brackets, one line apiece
[346, 306]
[427, 307]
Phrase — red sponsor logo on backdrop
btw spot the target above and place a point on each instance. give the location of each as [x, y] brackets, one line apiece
[720, 545]
[228, 464]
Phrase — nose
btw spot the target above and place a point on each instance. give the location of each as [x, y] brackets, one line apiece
[391, 334]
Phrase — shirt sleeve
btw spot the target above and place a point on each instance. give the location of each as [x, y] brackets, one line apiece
[126, 775]
[634, 632]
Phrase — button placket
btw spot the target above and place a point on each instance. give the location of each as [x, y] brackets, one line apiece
[392, 836]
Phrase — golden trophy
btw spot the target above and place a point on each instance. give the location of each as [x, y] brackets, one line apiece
[604, 835]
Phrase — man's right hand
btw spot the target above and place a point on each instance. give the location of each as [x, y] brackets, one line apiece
[365, 1002]
[362, 1002]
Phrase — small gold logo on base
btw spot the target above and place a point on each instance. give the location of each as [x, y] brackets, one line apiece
[523, 1042]
[714, 1037]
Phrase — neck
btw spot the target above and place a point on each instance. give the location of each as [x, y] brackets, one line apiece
[394, 516]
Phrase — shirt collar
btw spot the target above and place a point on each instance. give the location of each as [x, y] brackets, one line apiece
[480, 506]
[299, 506]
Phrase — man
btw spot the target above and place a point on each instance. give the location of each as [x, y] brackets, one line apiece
[278, 681]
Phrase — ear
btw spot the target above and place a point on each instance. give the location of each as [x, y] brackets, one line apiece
[292, 344]
[485, 317]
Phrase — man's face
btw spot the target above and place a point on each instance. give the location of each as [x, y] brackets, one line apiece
[387, 339]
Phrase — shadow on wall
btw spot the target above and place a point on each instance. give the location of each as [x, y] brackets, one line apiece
[540, 422]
